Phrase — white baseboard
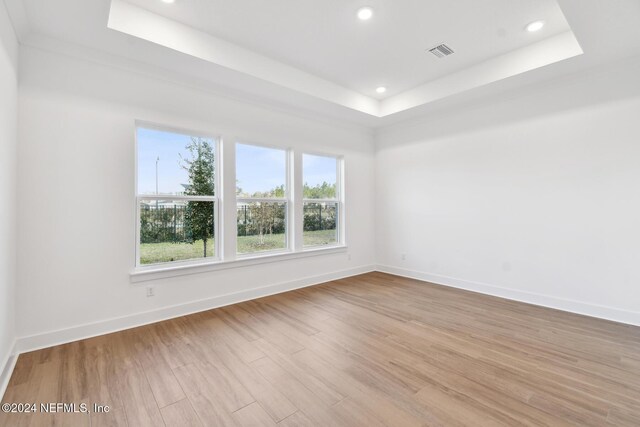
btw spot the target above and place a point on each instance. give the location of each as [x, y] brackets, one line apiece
[6, 368]
[572, 306]
[62, 336]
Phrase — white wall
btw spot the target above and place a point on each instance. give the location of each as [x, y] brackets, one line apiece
[8, 184]
[76, 193]
[534, 198]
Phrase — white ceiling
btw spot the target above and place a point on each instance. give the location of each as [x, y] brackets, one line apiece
[480, 63]
[324, 38]
[315, 56]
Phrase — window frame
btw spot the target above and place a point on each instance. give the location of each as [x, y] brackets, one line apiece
[215, 198]
[286, 200]
[338, 200]
[225, 197]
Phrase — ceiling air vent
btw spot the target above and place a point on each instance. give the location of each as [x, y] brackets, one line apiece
[441, 51]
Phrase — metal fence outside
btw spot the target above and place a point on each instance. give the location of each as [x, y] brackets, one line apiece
[160, 223]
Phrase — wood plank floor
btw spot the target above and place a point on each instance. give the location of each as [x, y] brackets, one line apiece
[371, 350]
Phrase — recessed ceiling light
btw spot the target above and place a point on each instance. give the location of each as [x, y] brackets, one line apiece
[381, 89]
[168, 1]
[365, 13]
[535, 26]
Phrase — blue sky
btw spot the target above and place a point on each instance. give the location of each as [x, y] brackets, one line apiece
[153, 144]
[319, 169]
[258, 169]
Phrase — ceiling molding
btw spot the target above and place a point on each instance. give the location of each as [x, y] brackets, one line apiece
[138, 22]
[141, 23]
[537, 55]
[18, 17]
[561, 86]
[607, 32]
[77, 52]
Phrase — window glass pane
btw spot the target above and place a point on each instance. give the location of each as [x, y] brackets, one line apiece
[174, 164]
[176, 230]
[260, 172]
[319, 176]
[261, 226]
[320, 224]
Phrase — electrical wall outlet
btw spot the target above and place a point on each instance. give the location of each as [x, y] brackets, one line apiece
[151, 291]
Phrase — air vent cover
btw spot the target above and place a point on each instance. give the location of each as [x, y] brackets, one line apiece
[441, 51]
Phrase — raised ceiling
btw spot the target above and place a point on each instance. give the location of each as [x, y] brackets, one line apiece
[316, 56]
[323, 50]
[324, 38]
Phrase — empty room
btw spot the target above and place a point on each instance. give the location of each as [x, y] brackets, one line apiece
[319, 213]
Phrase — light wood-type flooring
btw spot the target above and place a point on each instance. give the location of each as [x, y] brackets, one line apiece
[371, 350]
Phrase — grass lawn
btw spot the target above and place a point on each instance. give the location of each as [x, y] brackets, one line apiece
[153, 253]
[319, 238]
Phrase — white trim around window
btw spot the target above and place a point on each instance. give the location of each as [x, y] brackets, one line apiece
[225, 205]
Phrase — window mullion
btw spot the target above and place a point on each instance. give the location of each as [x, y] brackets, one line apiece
[297, 206]
[180, 197]
[342, 218]
[321, 200]
[230, 206]
[261, 200]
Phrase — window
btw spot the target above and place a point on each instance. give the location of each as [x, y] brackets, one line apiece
[176, 197]
[262, 199]
[285, 202]
[321, 200]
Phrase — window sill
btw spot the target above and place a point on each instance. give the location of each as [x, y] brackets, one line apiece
[143, 274]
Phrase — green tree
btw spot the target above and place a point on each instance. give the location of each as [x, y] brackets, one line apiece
[200, 168]
[263, 219]
[267, 218]
[320, 191]
[318, 216]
